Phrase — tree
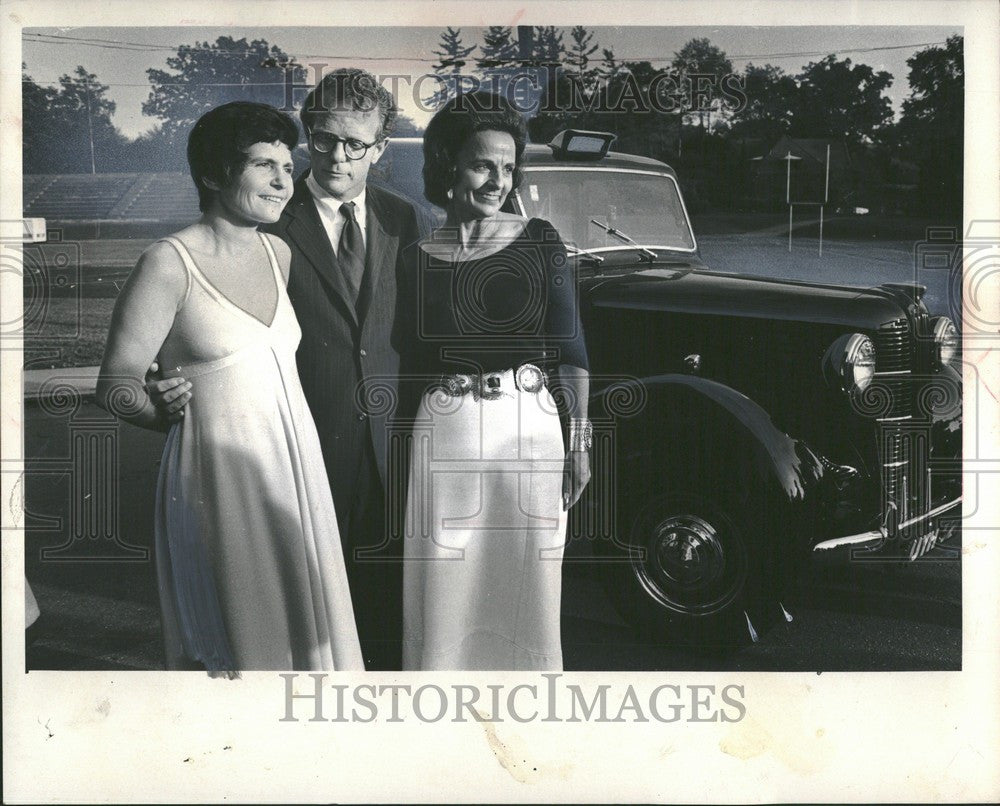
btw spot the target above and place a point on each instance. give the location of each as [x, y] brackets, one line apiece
[625, 107]
[577, 61]
[547, 45]
[571, 90]
[769, 94]
[609, 65]
[451, 55]
[405, 126]
[701, 68]
[931, 126]
[68, 129]
[839, 100]
[153, 152]
[499, 57]
[206, 75]
[38, 129]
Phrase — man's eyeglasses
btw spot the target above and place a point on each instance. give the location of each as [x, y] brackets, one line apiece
[353, 149]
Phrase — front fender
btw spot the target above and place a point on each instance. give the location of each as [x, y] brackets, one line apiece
[715, 433]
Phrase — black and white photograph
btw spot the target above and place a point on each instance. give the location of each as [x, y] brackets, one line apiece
[544, 402]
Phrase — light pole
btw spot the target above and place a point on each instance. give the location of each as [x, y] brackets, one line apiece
[788, 194]
[90, 130]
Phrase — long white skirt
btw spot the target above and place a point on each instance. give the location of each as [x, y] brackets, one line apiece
[485, 531]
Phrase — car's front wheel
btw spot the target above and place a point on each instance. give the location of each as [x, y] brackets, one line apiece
[698, 572]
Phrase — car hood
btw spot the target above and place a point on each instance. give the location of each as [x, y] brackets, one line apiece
[695, 290]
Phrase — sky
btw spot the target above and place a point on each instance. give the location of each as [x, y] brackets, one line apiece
[120, 56]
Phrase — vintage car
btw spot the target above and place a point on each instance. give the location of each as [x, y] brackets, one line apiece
[741, 423]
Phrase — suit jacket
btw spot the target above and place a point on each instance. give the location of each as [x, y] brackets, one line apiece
[350, 356]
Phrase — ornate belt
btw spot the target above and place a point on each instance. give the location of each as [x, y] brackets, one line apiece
[493, 385]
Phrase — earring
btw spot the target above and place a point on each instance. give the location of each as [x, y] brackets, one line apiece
[450, 194]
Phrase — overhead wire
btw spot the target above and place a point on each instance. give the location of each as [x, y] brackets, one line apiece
[61, 39]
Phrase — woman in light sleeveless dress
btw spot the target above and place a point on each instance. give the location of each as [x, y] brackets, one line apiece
[491, 479]
[249, 559]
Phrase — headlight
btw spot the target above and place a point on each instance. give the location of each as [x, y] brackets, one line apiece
[945, 340]
[849, 363]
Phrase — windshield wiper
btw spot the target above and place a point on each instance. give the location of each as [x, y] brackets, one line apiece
[649, 254]
[586, 254]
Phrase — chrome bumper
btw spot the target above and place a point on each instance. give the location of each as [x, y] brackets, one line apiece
[874, 540]
[865, 541]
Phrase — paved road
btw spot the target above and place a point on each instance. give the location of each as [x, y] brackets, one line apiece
[864, 617]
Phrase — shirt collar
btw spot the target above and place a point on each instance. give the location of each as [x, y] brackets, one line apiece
[323, 197]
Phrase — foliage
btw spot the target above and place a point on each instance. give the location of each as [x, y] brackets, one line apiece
[832, 99]
[406, 127]
[153, 151]
[207, 74]
[609, 65]
[577, 61]
[700, 58]
[547, 45]
[932, 126]
[452, 54]
[498, 59]
[767, 111]
[839, 100]
[68, 129]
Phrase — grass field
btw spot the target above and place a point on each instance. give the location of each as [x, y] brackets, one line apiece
[69, 300]
[69, 332]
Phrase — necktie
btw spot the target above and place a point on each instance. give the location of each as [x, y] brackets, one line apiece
[351, 251]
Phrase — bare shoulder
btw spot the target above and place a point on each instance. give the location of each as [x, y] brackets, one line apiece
[282, 252]
[158, 281]
[161, 263]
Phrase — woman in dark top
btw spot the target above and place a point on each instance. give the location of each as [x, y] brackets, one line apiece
[491, 479]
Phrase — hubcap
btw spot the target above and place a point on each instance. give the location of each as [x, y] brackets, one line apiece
[691, 565]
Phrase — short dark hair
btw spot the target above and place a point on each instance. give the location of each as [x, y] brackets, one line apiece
[218, 144]
[353, 89]
[453, 125]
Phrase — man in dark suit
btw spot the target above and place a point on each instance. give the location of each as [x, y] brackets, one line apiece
[349, 287]
[352, 294]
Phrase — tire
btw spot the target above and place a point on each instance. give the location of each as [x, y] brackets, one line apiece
[698, 573]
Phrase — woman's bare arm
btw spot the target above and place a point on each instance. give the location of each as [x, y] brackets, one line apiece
[143, 316]
[576, 382]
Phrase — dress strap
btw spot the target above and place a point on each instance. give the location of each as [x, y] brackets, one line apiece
[213, 290]
[279, 278]
[186, 260]
[192, 267]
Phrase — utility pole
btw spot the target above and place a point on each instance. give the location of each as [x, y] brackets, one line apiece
[788, 193]
[522, 97]
[90, 130]
[524, 43]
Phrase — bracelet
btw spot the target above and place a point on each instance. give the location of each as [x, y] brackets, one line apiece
[581, 435]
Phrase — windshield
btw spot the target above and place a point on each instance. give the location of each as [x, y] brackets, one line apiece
[644, 206]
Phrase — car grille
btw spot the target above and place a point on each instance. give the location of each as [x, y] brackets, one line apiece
[893, 365]
[892, 347]
[904, 445]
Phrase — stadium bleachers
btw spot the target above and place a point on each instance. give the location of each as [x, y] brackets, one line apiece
[110, 197]
[166, 197]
